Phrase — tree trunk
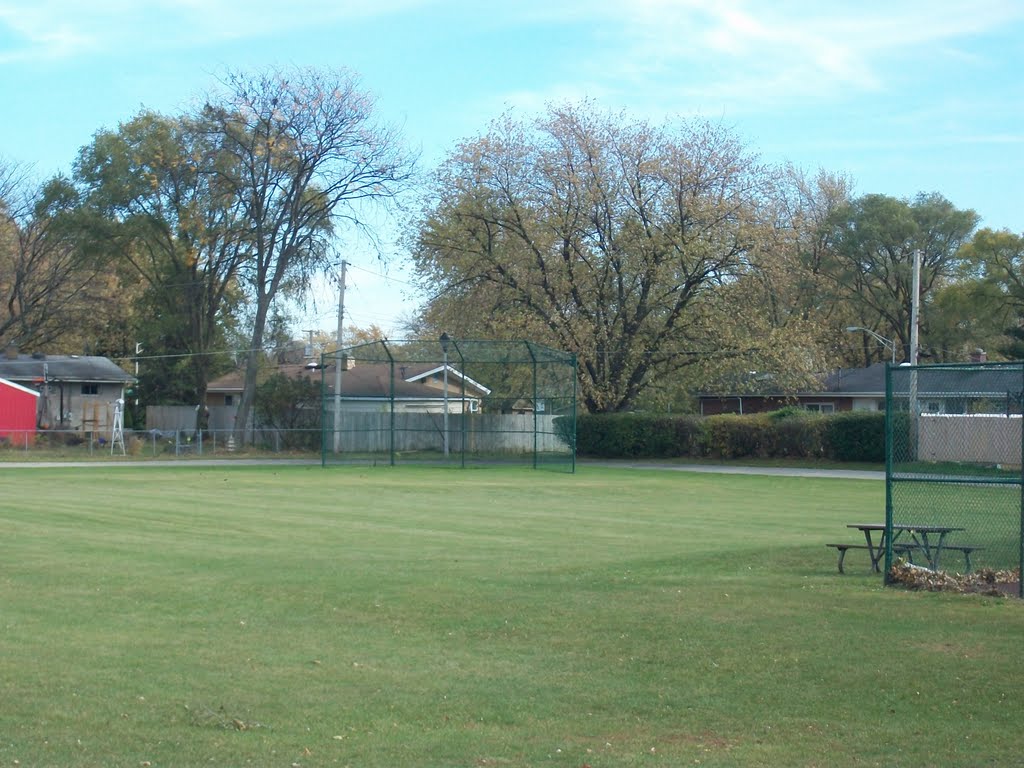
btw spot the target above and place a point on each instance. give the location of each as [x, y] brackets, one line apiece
[252, 360]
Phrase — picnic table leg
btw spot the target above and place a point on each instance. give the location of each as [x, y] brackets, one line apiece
[938, 549]
[873, 553]
[932, 553]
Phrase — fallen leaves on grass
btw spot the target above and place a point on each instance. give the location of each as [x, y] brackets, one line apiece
[984, 581]
[203, 716]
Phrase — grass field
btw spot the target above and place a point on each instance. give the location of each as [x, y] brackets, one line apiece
[282, 616]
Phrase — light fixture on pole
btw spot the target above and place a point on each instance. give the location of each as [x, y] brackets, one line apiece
[445, 340]
[887, 343]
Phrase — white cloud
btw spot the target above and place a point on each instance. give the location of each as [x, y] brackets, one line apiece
[34, 31]
[736, 51]
[61, 29]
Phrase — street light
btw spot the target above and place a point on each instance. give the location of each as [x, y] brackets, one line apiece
[887, 343]
[445, 340]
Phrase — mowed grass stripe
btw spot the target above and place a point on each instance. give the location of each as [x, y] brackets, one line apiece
[414, 616]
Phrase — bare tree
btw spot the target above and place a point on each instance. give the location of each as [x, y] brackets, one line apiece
[305, 153]
[50, 286]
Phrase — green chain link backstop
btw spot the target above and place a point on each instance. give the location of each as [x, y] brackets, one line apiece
[449, 401]
[953, 463]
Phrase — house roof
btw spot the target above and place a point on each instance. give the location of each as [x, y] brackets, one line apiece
[78, 368]
[855, 381]
[372, 380]
[941, 380]
[843, 382]
[421, 373]
[949, 380]
[18, 387]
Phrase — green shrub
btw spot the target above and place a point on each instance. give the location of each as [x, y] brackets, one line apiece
[789, 412]
[691, 435]
[786, 433]
[733, 436]
[565, 430]
[638, 435]
[611, 435]
[292, 407]
[794, 433]
[856, 436]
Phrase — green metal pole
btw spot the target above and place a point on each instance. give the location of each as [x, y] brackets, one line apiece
[462, 414]
[889, 450]
[533, 359]
[573, 371]
[391, 417]
[323, 413]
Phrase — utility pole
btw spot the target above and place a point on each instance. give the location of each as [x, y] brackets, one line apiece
[138, 351]
[915, 321]
[915, 307]
[338, 361]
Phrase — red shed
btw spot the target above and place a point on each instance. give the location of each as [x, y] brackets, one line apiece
[18, 406]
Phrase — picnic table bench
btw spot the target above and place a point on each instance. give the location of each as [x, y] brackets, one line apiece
[927, 540]
[907, 550]
[842, 548]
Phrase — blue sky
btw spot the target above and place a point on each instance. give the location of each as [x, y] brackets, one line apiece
[904, 96]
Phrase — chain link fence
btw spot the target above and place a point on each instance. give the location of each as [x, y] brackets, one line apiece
[953, 466]
[72, 444]
[450, 401]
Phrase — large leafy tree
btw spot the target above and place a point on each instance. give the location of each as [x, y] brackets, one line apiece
[307, 153]
[781, 300]
[153, 187]
[871, 260]
[990, 305]
[997, 257]
[607, 237]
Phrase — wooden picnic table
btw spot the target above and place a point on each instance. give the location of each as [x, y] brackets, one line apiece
[930, 540]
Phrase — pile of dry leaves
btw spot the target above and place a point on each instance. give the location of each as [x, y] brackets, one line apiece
[984, 581]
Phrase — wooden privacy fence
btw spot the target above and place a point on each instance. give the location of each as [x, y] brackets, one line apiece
[981, 438]
[473, 433]
[370, 432]
[182, 418]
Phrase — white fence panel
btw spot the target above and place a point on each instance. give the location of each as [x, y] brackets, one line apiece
[981, 438]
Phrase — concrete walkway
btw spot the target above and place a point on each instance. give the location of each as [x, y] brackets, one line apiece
[725, 469]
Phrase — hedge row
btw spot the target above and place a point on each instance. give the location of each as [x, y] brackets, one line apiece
[789, 433]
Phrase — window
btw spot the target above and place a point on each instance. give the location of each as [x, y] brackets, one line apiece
[820, 407]
[90, 389]
[229, 399]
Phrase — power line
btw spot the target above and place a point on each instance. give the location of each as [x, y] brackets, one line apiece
[384, 276]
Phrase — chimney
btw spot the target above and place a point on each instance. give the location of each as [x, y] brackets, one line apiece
[979, 356]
